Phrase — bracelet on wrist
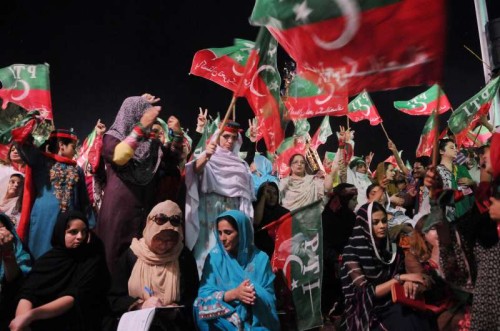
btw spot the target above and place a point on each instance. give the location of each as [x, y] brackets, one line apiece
[397, 277]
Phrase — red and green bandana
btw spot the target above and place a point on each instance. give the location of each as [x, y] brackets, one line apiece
[27, 86]
[362, 108]
[373, 45]
[425, 103]
[303, 268]
[468, 114]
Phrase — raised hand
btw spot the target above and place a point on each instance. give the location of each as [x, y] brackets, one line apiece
[150, 98]
[149, 116]
[100, 128]
[252, 125]
[202, 120]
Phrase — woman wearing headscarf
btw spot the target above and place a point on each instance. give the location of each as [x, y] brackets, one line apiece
[10, 192]
[300, 189]
[67, 286]
[15, 263]
[262, 170]
[236, 291]
[132, 160]
[54, 184]
[371, 265]
[267, 209]
[216, 181]
[157, 270]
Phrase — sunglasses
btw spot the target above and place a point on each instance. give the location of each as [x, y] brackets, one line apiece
[161, 219]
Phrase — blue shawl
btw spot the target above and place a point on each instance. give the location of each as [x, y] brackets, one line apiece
[264, 169]
[23, 258]
[222, 273]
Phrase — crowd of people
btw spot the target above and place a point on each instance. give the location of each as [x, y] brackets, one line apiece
[145, 222]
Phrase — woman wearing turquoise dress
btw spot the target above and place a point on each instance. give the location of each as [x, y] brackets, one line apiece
[236, 290]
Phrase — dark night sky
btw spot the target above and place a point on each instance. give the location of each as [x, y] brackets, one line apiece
[102, 52]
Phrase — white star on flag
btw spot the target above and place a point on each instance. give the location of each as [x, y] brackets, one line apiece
[273, 86]
[272, 51]
[294, 284]
[302, 11]
[239, 57]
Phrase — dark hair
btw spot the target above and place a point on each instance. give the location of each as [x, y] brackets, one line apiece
[423, 160]
[378, 207]
[293, 157]
[444, 142]
[260, 191]
[54, 143]
[229, 219]
[370, 188]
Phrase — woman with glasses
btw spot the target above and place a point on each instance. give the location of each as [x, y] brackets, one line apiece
[216, 181]
[300, 189]
[157, 270]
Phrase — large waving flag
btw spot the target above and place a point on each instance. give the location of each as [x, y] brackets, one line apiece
[224, 66]
[310, 95]
[28, 87]
[425, 103]
[468, 114]
[362, 108]
[372, 44]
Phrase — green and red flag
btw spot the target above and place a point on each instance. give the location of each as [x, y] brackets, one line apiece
[302, 127]
[324, 131]
[373, 45]
[224, 66]
[425, 103]
[468, 114]
[426, 142]
[362, 108]
[298, 254]
[310, 95]
[262, 84]
[28, 87]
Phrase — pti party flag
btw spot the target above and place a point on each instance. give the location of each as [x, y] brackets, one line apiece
[298, 254]
[426, 142]
[28, 87]
[373, 44]
[224, 66]
[302, 127]
[362, 108]
[425, 103]
[324, 131]
[468, 114]
[310, 95]
[262, 89]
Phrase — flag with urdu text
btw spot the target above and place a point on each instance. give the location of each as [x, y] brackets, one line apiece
[426, 142]
[314, 96]
[362, 108]
[371, 44]
[468, 114]
[28, 87]
[324, 131]
[425, 103]
[298, 253]
[224, 66]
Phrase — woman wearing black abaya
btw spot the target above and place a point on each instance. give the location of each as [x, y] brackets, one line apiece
[67, 286]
